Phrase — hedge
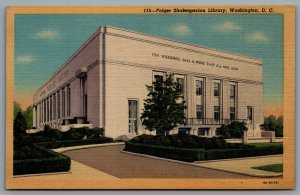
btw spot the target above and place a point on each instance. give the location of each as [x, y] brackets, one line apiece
[182, 154]
[30, 152]
[191, 155]
[68, 143]
[188, 141]
[239, 153]
[54, 163]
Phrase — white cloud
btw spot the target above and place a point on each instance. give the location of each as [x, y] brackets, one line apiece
[24, 59]
[227, 26]
[47, 34]
[257, 36]
[181, 29]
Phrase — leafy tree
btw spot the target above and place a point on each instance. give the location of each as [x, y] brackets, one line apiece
[273, 123]
[20, 125]
[164, 107]
[17, 108]
[28, 114]
[233, 130]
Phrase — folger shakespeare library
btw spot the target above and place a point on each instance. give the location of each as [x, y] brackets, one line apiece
[103, 84]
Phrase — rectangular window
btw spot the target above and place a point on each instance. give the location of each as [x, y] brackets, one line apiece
[180, 85]
[44, 110]
[40, 112]
[58, 105]
[232, 91]
[199, 87]
[216, 89]
[84, 96]
[54, 106]
[132, 116]
[250, 113]
[232, 113]
[184, 130]
[199, 111]
[68, 100]
[159, 78]
[63, 104]
[48, 110]
[217, 113]
[203, 132]
[50, 113]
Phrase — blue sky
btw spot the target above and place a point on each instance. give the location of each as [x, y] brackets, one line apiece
[44, 42]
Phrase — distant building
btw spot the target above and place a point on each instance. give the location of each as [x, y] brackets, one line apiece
[103, 84]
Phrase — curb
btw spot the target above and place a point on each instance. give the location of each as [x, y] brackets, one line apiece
[42, 174]
[191, 164]
[62, 150]
[229, 159]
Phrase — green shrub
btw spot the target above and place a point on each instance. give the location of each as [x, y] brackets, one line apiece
[47, 162]
[183, 154]
[20, 125]
[96, 133]
[52, 134]
[49, 134]
[243, 152]
[47, 128]
[207, 148]
[74, 134]
[233, 130]
[69, 143]
[186, 141]
[83, 133]
[30, 152]
[273, 123]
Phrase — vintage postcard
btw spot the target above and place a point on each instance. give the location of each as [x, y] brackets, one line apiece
[150, 97]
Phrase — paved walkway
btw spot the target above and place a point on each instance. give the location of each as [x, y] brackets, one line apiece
[110, 160]
[244, 165]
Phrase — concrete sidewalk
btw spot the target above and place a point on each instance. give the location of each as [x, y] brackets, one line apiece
[243, 165]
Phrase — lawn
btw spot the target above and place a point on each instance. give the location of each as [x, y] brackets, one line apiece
[277, 168]
[259, 145]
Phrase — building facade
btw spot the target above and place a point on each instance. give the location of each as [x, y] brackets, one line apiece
[103, 84]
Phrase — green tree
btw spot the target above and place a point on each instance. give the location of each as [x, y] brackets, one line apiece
[233, 130]
[273, 123]
[28, 114]
[164, 107]
[17, 108]
[20, 125]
